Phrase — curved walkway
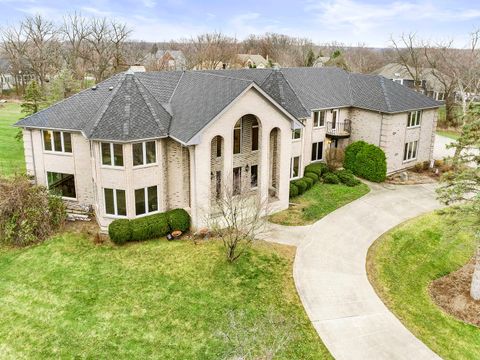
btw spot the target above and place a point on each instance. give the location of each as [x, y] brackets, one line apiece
[331, 278]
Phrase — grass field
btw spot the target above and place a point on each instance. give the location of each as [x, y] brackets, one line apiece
[317, 202]
[402, 264]
[11, 150]
[69, 298]
[448, 133]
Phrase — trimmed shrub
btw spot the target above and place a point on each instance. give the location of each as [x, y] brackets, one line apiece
[346, 177]
[120, 231]
[330, 178]
[309, 181]
[312, 176]
[178, 219]
[371, 163]
[301, 185]
[351, 152]
[149, 227]
[293, 190]
[317, 168]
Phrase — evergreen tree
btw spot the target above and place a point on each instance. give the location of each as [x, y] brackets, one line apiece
[33, 99]
[310, 58]
[62, 86]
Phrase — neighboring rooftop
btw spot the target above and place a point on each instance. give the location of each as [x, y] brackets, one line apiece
[256, 59]
[133, 106]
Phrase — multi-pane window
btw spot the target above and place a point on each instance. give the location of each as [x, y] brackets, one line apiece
[319, 119]
[237, 137]
[254, 176]
[61, 184]
[115, 202]
[237, 180]
[57, 141]
[146, 200]
[317, 151]
[112, 154]
[219, 146]
[255, 132]
[410, 151]
[144, 153]
[218, 184]
[414, 118]
[294, 167]
[296, 134]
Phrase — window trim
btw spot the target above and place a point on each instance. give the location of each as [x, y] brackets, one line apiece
[255, 126]
[319, 112]
[299, 167]
[144, 155]
[52, 142]
[418, 119]
[115, 204]
[74, 184]
[145, 199]
[406, 148]
[112, 156]
[321, 157]
[294, 132]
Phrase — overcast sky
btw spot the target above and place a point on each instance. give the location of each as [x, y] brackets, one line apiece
[348, 21]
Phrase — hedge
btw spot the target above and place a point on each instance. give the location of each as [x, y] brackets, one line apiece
[301, 185]
[346, 177]
[317, 168]
[351, 152]
[293, 190]
[312, 176]
[371, 163]
[148, 227]
[330, 178]
[309, 181]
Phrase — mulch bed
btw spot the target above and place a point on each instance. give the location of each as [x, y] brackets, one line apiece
[452, 294]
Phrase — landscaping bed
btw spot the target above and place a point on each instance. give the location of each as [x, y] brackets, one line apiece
[71, 298]
[402, 265]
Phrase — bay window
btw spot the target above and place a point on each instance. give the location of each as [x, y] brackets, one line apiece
[57, 141]
[144, 153]
[146, 200]
[115, 202]
[112, 154]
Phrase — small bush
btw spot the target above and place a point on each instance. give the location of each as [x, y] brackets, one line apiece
[418, 167]
[28, 213]
[371, 163]
[301, 185]
[317, 168]
[120, 231]
[149, 227]
[309, 182]
[351, 152]
[330, 178]
[312, 176]
[346, 177]
[293, 190]
[178, 219]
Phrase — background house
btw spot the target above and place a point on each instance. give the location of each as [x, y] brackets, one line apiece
[252, 61]
[399, 73]
[166, 60]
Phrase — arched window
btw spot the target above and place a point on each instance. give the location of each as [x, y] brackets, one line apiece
[237, 137]
[255, 132]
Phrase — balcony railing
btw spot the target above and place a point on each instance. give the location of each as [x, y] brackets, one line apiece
[339, 128]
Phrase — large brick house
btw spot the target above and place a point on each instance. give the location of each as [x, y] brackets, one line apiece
[140, 143]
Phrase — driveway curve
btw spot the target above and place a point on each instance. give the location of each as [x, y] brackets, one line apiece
[331, 278]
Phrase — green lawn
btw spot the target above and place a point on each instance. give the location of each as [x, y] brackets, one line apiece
[402, 264]
[69, 298]
[317, 202]
[11, 150]
[448, 133]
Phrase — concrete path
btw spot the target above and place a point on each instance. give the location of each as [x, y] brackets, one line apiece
[440, 150]
[331, 279]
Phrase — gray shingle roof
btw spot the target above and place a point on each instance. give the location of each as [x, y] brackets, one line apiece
[180, 104]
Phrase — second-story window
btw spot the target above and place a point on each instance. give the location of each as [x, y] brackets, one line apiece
[255, 135]
[112, 154]
[237, 137]
[296, 134]
[414, 118]
[144, 153]
[57, 141]
[318, 119]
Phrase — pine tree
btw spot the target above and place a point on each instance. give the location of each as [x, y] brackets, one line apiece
[33, 98]
[461, 185]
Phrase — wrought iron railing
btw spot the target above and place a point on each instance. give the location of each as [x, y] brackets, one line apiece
[339, 128]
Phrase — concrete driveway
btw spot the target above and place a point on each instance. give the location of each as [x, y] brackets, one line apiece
[440, 150]
[331, 279]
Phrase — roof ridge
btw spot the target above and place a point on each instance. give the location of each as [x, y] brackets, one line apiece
[293, 90]
[384, 90]
[221, 75]
[149, 105]
[176, 86]
[106, 103]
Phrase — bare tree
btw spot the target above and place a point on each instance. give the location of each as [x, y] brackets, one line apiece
[75, 31]
[14, 45]
[210, 51]
[120, 33]
[410, 55]
[238, 217]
